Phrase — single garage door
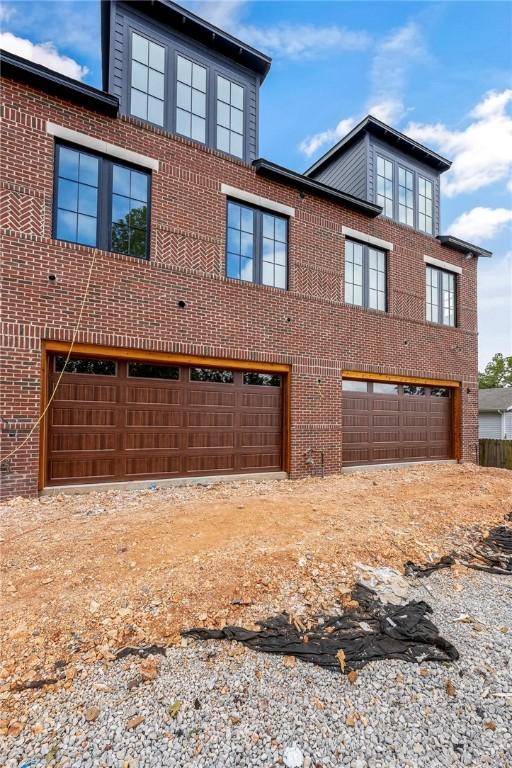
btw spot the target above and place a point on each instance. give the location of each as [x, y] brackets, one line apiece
[120, 420]
[385, 423]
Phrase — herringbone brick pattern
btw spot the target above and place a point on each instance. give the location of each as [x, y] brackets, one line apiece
[187, 251]
[20, 212]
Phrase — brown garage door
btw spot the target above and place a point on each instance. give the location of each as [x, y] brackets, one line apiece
[395, 422]
[121, 420]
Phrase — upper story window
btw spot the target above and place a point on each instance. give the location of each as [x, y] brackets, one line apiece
[385, 185]
[230, 117]
[365, 276]
[191, 99]
[101, 203]
[256, 245]
[147, 92]
[405, 196]
[441, 296]
[425, 196]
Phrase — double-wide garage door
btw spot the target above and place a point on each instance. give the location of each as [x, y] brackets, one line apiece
[388, 422]
[120, 420]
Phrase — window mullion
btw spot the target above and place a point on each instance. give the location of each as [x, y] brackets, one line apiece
[104, 205]
[258, 247]
[366, 278]
[440, 297]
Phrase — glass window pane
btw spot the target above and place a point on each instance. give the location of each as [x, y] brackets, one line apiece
[198, 103]
[155, 111]
[156, 84]
[139, 186]
[262, 379]
[153, 371]
[157, 57]
[199, 77]
[268, 273]
[247, 220]
[67, 195]
[120, 208]
[268, 249]
[280, 229]
[385, 389]
[247, 244]
[211, 374]
[137, 216]
[139, 76]
[86, 232]
[233, 266]
[184, 96]
[183, 122]
[246, 269]
[237, 120]
[139, 104]
[138, 243]
[280, 254]
[88, 200]
[121, 180]
[68, 163]
[88, 173]
[86, 365]
[140, 48]
[233, 240]
[120, 237]
[411, 389]
[234, 211]
[198, 128]
[223, 89]
[184, 70]
[268, 225]
[237, 96]
[237, 145]
[349, 293]
[222, 139]
[66, 225]
[223, 114]
[280, 276]
[440, 392]
[350, 385]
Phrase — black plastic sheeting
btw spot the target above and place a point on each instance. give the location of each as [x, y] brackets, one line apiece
[369, 632]
[493, 554]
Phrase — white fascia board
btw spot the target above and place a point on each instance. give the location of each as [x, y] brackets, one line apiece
[368, 239]
[252, 199]
[442, 264]
[89, 142]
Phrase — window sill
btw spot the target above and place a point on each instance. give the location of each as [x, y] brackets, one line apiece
[252, 284]
[94, 248]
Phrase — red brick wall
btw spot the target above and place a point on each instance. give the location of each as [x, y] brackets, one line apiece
[133, 303]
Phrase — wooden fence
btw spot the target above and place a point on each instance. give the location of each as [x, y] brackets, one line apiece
[496, 453]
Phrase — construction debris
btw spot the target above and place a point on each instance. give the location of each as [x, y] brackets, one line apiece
[393, 632]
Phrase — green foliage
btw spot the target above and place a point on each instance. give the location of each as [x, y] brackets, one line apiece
[497, 373]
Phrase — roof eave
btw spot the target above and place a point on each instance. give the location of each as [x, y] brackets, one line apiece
[448, 241]
[292, 178]
[56, 84]
[372, 125]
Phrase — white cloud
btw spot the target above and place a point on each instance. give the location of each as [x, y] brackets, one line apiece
[390, 67]
[42, 53]
[284, 40]
[480, 223]
[481, 152]
[494, 307]
[6, 12]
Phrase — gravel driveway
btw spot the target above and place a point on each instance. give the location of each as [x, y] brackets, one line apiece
[217, 705]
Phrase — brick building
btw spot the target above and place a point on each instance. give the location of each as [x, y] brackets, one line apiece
[224, 315]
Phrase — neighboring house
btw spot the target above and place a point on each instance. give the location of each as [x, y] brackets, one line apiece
[241, 317]
[495, 413]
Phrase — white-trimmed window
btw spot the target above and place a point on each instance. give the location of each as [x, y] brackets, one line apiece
[147, 79]
[441, 296]
[230, 117]
[190, 99]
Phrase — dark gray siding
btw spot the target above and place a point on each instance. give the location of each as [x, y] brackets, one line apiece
[380, 147]
[348, 172]
[125, 19]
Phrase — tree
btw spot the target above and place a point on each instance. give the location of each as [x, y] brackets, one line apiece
[497, 373]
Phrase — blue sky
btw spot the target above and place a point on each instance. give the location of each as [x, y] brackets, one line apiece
[440, 72]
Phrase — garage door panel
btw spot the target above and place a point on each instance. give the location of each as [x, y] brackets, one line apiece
[83, 416]
[405, 423]
[152, 441]
[145, 421]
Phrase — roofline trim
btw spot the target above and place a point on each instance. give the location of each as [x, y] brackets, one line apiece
[38, 76]
[462, 246]
[265, 167]
[366, 124]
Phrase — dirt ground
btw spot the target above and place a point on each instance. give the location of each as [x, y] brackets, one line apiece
[84, 575]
